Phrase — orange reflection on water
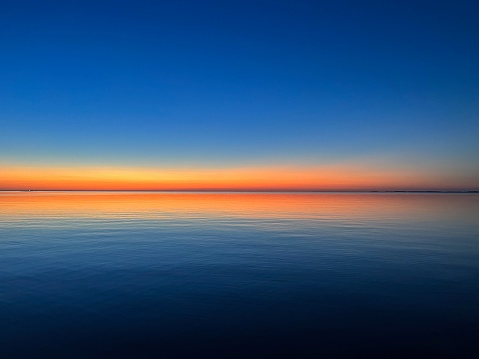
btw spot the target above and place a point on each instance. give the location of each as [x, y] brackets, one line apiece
[346, 206]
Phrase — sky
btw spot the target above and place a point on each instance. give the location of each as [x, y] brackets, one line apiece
[239, 95]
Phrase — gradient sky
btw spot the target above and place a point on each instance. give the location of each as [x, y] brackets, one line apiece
[239, 95]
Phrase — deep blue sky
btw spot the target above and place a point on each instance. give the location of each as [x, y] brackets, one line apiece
[233, 83]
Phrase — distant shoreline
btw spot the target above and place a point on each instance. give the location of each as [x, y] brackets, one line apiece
[245, 191]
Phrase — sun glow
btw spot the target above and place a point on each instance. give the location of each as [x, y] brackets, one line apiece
[333, 177]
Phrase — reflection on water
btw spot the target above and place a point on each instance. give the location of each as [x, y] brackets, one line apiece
[135, 274]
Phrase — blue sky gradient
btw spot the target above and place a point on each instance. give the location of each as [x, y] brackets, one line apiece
[240, 83]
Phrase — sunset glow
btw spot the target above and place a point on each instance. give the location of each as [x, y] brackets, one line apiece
[345, 177]
[237, 97]
[251, 179]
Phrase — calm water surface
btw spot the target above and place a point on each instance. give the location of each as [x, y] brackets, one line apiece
[251, 275]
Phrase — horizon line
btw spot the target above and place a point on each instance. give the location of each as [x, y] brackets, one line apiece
[252, 190]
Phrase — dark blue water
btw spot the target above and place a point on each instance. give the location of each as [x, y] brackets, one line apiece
[239, 275]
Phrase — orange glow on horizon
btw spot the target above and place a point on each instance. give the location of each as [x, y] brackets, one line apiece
[334, 177]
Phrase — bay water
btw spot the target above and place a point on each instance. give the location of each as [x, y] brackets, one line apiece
[166, 274]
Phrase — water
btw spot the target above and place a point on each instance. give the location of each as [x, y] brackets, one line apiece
[248, 275]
